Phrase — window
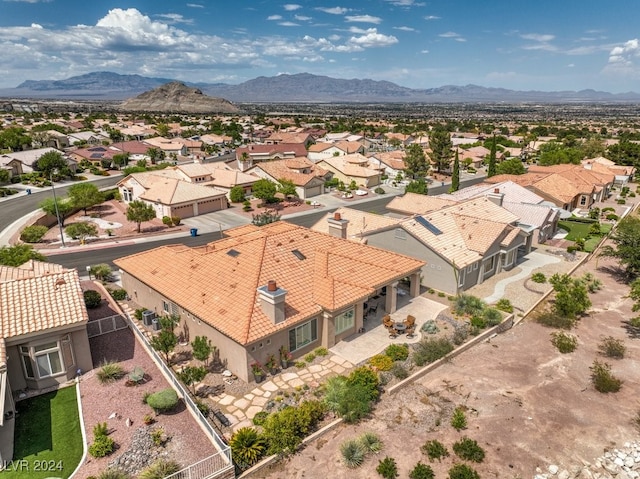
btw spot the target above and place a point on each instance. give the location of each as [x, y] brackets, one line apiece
[489, 265]
[127, 194]
[583, 200]
[26, 362]
[461, 277]
[302, 335]
[345, 321]
[475, 266]
[165, 307]
[48, 359]
[469, 268]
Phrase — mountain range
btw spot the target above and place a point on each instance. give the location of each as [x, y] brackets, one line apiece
[300, 88]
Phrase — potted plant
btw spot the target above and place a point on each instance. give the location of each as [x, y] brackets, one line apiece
[271, 364]
[258, 371]
[285, 357]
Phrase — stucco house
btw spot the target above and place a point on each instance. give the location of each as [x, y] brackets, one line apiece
[250, 155]
[462, 244]
[307, 177]
[44, 339]
[389, 162]
[263, 288]
[170, 195]
[20, 162]
[354, 167]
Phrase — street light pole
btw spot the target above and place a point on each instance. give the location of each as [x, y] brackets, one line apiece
[55, 203]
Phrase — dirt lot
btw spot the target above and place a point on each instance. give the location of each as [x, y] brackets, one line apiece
[527, 405]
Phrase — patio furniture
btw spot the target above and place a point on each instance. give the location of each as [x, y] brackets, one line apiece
[410, 332]
[400, 327]
[372, 310]
[410, 321]
[393, 334]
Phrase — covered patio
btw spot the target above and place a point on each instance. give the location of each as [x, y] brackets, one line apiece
[359, 347]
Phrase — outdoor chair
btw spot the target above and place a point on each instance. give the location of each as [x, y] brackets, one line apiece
[393, 334]
[410, 321]
[410, 332]
[373, 310]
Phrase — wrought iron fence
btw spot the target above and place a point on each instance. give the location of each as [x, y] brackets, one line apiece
[106, 325]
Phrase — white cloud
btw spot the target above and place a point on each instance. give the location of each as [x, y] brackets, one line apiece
[571, 65]
[363, 19]
[537, 37]
[29, 1]
[424, 51]
[405, 3]
[373, 39]
[175, 18]
[624, 59]
[291, 7]
[454, 35]
[274, 17]
[431, 17]
[302, 18]
[288, 24]
[195, 5]
[333, 10]
[405, 29]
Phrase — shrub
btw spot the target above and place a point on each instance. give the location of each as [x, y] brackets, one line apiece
[284, 430]
[477, 322]
[353, 453]
[399, 371]
[462, 471]
[460, 334]
[352, 402]
[621, 201]
[612, 348]
[612, 217]
[112, 473]
[109, 372]
[33, 233]
[247, 447]
[102, 446]
[100, 429]
[554, 320]
[430, 327]
[101, 271]
[434, 450]
[321, 352]
[370, 442]
[119, 294]
[538, 278]
[421, 471]
[430, 350]
[379, 191]
[176, 220]
[260, 418]
[602, 378]
[459, 420]
[565, 343]
[387, 468]
[493, 316]
[469, 305]
[367, 378]
[397, 352]
[167, 221]
[301, 364]
[469, 450]
[309, 357]
[160, 469]
[236, 194]
[381, 362]
[92, 298]
[158, 437]
[504, 305]
[164, 400]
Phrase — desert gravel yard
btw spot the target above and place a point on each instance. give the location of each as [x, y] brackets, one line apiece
[527, 405]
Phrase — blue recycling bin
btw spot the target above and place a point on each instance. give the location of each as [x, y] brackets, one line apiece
[28, 191]
[194, 231]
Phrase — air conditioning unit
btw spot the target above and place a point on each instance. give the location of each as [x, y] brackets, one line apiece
[147, 317]
[155, 324]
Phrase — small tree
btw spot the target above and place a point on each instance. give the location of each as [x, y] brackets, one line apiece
[50, 162]
[236, 194]
[33, 233]
[166, 340]
[265, 190]
[202, 348]
[416, 161]
[455, 176]
[190, 375]
[139, 211]
[81, 230]
[417, 186]
[627, 240]
[572, 298]
[19, 254]
[64, 206]
[101, 271]
[85, 195]
[287, 188]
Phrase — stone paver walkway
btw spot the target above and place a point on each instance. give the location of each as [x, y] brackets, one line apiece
[241, 410]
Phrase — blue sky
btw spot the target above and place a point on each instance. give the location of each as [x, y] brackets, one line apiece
[519, 44]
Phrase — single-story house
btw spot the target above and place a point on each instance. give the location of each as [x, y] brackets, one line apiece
[217, 175]
[44, 339]
[623, 173]
[170, 195]
[323, 150]
[250, 155]
[22, 162]
[354, 167]
[307, 177]
[391, 163]
[88, 137]
[271, 287]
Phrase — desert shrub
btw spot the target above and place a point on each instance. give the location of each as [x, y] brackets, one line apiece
[602, 378]
[397, 352]
[353, 453]
[102, 446]
[565, 343]
[554, 320]
[160, 469]
[321, 352]
[460, 334]
[538, 278]
[119, 294]
[176, 220]
[612, 348]
[166, 220]
[592, 283]
[260, 418]
[203, 407]
[459, 419]
[468, 304]
[351, 402]
[430, 327]
[371, 442]
[434, 450]
[381, 362]
[505, 305]
[101, 271]
[612, 217]
[621, 201]
[112, 473]
[285, 429]
[300, 364]
[367, 378]
[247, 447]
[109, 372]
[462, 471]
[635, 420]
[379, 191]
[92, 298]
[387, 468]
[399, 371]
[309, 357]
[421, 471]
[164, 400]
[430, 350]
[478, 323]
[100, 429]
[33, 233]
[493, 316]
[468, 449]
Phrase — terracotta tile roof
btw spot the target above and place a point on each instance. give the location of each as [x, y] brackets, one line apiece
[512, 192]
[536, 215]
[360, 223]
[393, 159]
[414, 203]
[271, 150]
[218, 283]
[350, 165]
[31, 305]
[289, 170]
[30, 269]
[170, 191]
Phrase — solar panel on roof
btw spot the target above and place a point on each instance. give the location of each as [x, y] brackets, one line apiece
[431, 227]
[233, 253]
[96, 155]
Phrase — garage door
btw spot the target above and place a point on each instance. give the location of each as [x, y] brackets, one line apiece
[184, 211]
[208, 206]
[313, 191]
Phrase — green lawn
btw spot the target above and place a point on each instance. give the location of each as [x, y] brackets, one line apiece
[578, 230]
[48, 439]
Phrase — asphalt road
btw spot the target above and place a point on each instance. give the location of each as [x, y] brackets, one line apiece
[81, 259]
[15, 208]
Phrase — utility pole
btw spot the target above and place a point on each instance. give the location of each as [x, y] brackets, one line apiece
[55, 203]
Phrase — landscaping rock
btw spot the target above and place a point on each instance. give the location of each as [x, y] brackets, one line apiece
[623, 463]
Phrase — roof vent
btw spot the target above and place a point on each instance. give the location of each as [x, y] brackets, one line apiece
[233, 253]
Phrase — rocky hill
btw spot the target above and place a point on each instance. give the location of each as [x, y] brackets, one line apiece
[176, 97]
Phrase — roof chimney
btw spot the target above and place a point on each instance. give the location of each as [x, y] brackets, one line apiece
[338, 226]
[272, 301]
[496, 197]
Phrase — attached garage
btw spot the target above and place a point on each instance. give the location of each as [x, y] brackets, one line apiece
[211, 205]
[183, 211]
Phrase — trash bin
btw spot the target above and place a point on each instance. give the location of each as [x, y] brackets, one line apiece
[194, 231]
[28, 191]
